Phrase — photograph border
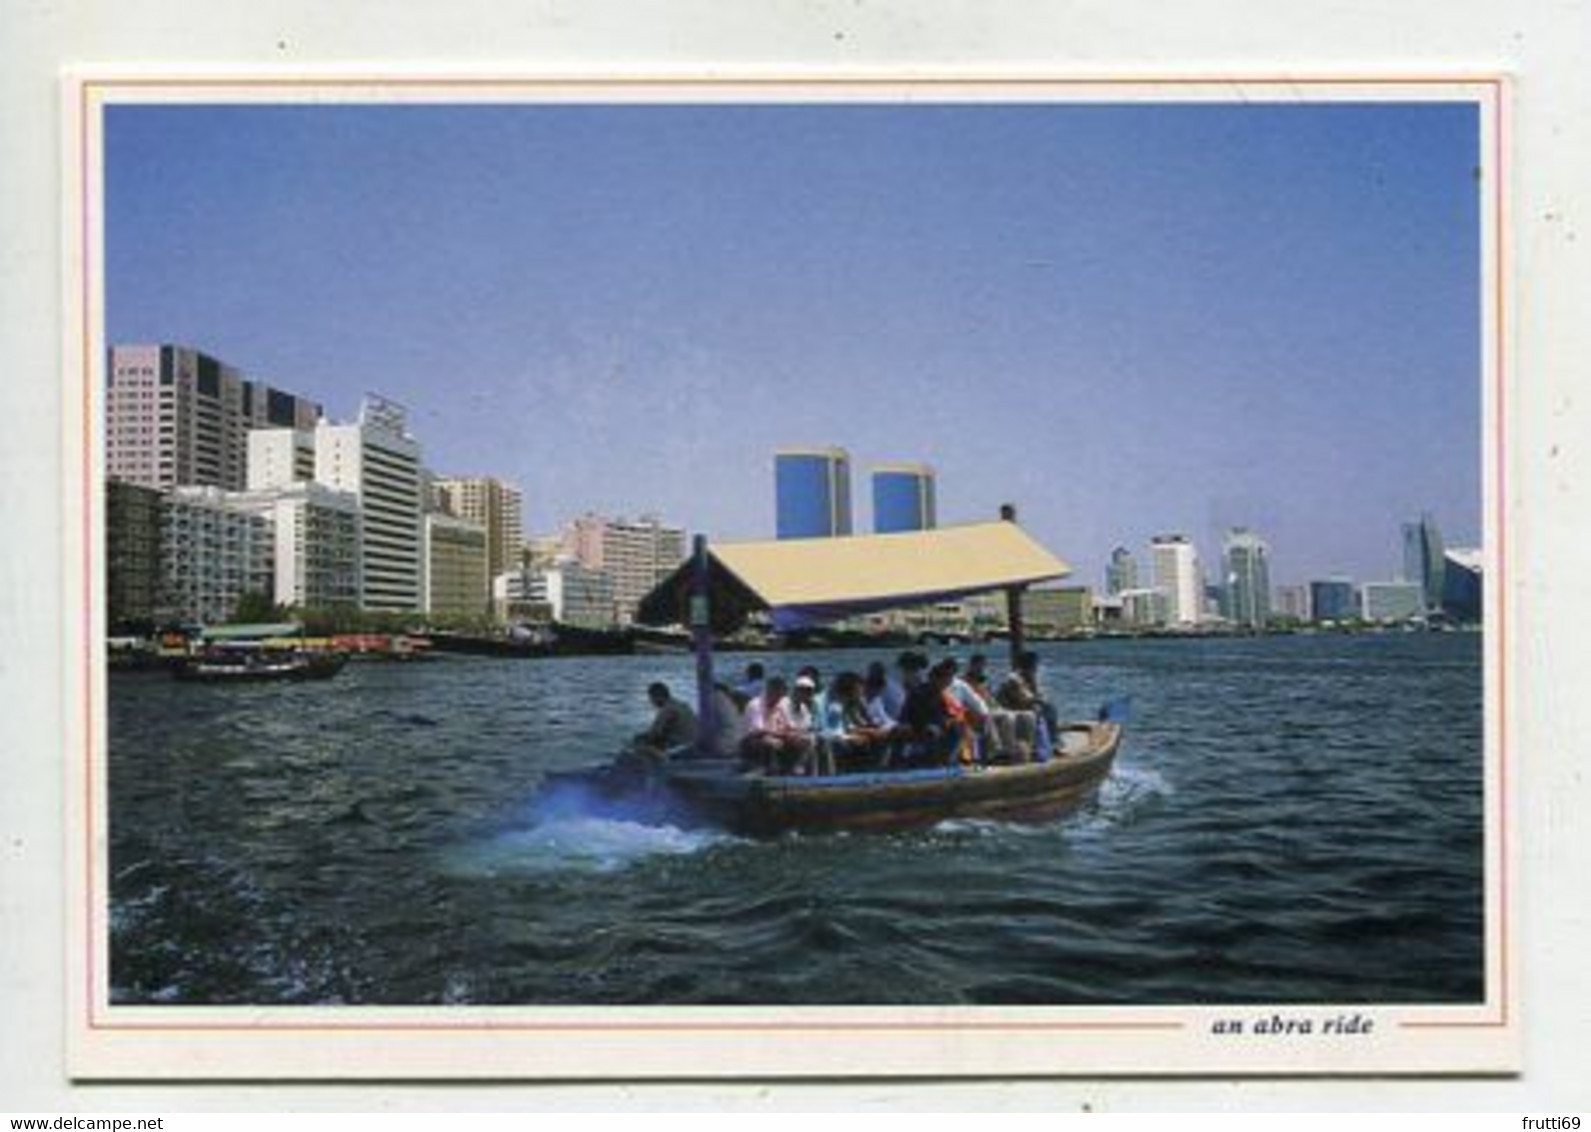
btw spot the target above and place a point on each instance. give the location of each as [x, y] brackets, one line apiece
[108, 1041]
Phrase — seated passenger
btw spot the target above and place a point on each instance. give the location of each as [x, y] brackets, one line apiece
[751, 685]
[729, 725]
[1020, 692]
[1008, 734]
[936, 722]
[854, 739]
[673, 724]
[779, 737]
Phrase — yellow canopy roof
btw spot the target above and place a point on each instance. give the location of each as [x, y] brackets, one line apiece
[808, 581]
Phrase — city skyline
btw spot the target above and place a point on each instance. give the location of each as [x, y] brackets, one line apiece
[1235, 316]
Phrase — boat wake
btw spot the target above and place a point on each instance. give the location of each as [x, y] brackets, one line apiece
[581, 844]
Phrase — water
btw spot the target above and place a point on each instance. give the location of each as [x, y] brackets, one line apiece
[1291, 820]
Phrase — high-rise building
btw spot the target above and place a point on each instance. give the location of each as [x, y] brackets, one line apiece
[1144, 607]
[1247, 583]
[1121, 574]
[377, 460]
[1424, 560]
[635, 554]
[565, 590]
[1463, 585]
[177, 417]
[1333, 599]
[212, 552]
[1392, 601]
[278, 457]
[1293, 602]
[497, 506]
[903, 498]
[1176, 567]
[457, 583]
[812, 492]
[132, 552]
[315, 536]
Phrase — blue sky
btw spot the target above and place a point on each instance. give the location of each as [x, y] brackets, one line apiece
[1126, 319]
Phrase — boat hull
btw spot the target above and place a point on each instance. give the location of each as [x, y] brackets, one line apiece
[711, 793]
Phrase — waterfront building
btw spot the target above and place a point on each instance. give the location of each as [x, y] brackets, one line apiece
[1176, 573]
[1144, 608]
[497, 506]
[1247, 584]
[457, 583]
[904, 498]
[1463, 585]
[132, 552]
[1293, 602]
[1424, 560]
[1058, 611]
[1392, 601]
[212, 552]
[1333, 599]
[177, 417]
[564, 590]
[278, 457]
[314, 541]
[634, 554]
[377, 460]
[1122, 572]
[540, 550]
[812, 492]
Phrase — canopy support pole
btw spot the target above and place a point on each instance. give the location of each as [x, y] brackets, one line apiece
[702, 645]
[1013, 602]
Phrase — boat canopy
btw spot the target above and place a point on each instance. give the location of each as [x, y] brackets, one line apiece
[250, 632]
[807, 582]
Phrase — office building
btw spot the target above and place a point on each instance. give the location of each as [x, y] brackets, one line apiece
[1392, 601]
[1121, 574]
[212, 552]
[314, 541]
[494, 505]
[1333, 599]
[1424, 560]
[1463, 585]
[457, 583]
[1176, 574]
[132, 552]
[564, 590]
[1145, 607]
[177, 417]
[378, 461]
[903, 498]
[1246, 589]
[812, 492]
[635, 555]
[1058, 611]
[278, 457]
[1292, 602]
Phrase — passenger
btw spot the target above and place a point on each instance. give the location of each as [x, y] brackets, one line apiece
[775, 742]
[935, 721]
[1020, 692]
[1008, 734]
[673, 724]
[855, 741]
[751, 686]
[910, 665]
[875, 690]
[806, 712]
[964, 707]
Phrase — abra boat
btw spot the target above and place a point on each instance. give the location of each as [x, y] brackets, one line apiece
[231, 666]
[807, 582]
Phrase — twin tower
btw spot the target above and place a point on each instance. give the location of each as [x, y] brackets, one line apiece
[812, 494]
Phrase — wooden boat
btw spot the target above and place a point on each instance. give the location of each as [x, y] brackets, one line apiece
[248, 666]
[801, 583]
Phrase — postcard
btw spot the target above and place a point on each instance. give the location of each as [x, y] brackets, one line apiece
[812, 576]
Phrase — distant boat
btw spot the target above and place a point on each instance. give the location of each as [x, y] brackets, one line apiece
[808, 582]
[248, 665]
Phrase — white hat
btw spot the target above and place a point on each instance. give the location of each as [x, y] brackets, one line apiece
[805, 682]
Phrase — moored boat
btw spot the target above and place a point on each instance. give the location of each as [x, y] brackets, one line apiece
[244, 665]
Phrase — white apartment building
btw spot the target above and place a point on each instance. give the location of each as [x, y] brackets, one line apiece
[1176, 573]
[497, 506]
[635, 553]
[316, 537]
[378, 461]
[212, 552]
[278, 457]
[175, 416]
[570, 592]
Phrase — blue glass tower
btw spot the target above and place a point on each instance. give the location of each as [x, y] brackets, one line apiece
[903, 498]
[812, 492]
[1333, 600]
